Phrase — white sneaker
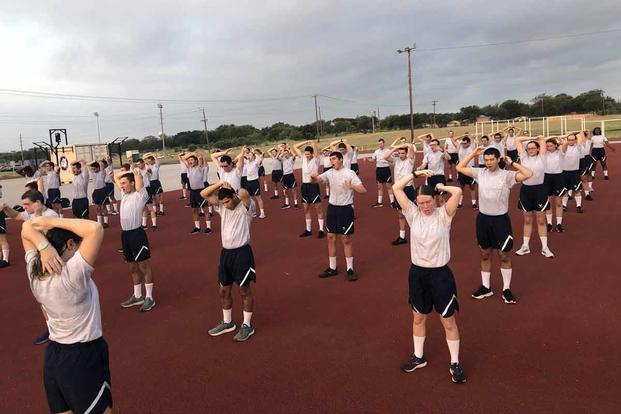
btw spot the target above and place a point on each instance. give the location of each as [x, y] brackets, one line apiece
[547, 253]
[523, 250]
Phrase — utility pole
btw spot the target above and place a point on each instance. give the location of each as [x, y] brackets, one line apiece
[434, 113]
[379, 126]
[205, 123]
[21, 146]
[162, 128]
[98, 132]
[373, 121]
[320, 121]
[603, 103]
[409, 52]
[316, 117]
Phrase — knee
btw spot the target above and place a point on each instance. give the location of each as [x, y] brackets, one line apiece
[419, 319]
[346, 240]
[485, 255]
[528, 219]
[504, 258]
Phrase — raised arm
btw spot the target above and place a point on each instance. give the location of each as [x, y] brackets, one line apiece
[399, 186]
[215, 156]
[210, 193]
[523, 173]
[14, 214]
[462, 166]
[453, 202]
[240, 159]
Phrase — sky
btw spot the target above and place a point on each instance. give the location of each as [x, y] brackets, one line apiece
[251, 62]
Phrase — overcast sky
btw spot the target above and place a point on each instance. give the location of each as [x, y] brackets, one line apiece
[247, 51]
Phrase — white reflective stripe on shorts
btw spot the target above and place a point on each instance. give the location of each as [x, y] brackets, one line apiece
[522, 206]
[545, 206]
[348, 228]
[99, 394]
[247, 274]
[414, 309]
[2, 228]
[316, 198]
[140, 251]
[449, 305]
[506, 242]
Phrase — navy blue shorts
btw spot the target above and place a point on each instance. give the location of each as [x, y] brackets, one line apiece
[432, 287]
[513, 154]
[599, 154]
[185, 181]
[100, 195]
[242, 183]
[276, 176]
[354, 167]
[454, 160]
[237, 265]
[110, 188]
[2, 222]
[555, 185]
[572, 180]
[311, 193]
[586, 165]
[156, 187]
[261, 171]
[410, 192]
[436, 179]
[533, 198]
[150, 193]
[494, 232]
[135, 245]
[196, 200]
[79, 208]
[464, 180]
[383, 175]
[53, 195]
[340, 219]
[253, 187]
[77, 377]
[288, 181]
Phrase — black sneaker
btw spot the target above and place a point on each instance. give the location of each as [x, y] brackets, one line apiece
[351, 275]
[457, 374]
[43, 338]
[606, 178]
[120, 250]
[377, 205]
[564, 208]
[196, 231]
[414, 363]
[154, 228]
[207, 230]
[3, 263]
[482, 293]
[549, 228]
[285, 206]
[306, 233]
[475, 206]
[450, 180]
[274, 197]
[144, 227]
[588, 197]
[296, 205]
[460, 205]
[579, 209]
[201, 214]
[398, 241]
[161, 213]
[321, 234]
[183, 198]
[508, 297]
[328, 273]
[559, 228]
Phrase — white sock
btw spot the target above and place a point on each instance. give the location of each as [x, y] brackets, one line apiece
[391, 196]
[605, 173]
[450, 176]
[320, 221]
[295, 201]
[549, 218]
[590, 185]
[586, 192]
[148, 287]
[526, 241]
[162, 207]
[208, 223]
[154, 220]
[593, 173]
[197, 224]
[247, 317]
[559, 219]
[105, 219]
[5, 255]
[99, 219]
[308, 224]
[350, 262]
[265, 187]
[262, 212]
[116, 208]
[61, 215]
[419, 343]
[485, 277]
[286, 199]
[227, 315]
[184, 192]
[275, 193]
[109, 208]
[474, 201]
[461, 199]
[379, 199]
[137, 291]
[402, 234]
[565, 200]
[578, 201]
[544, 242]
[332, 261]
[144, 221]
[506, 278]
[210, 209]
[453, 346]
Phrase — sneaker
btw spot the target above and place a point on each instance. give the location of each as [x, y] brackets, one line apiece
[274, 197]
[475, 206]
[457, 374]
[450, 180]
[43, 338]
[148, 304]
[579, 209]
[351, 275]
[133, 301]
[414, 363]
[161, 213]
[196, 230]
[105, 225]
[201, 214]
[588, 197]
[306, 233]
[114, 213]
[120, 250]
[245, 332]
[328, 273]
[3, 263]
[285, 206]
[262, 216]
[606, 178]
[321, 234]
[564, 208]
[547, 253]
[508, 297]
[154, 228]
[222, 328]
[296, 205]
[207, 230]
[559, 228]
[460, 205]
[377, 205]
[549, 228]
[144, 227]
[523, 250]
[398, 241]
[482, 292]
[183, 198]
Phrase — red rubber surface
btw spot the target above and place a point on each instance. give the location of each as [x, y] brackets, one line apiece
[333, 346]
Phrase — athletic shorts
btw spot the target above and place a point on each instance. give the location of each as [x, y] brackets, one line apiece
[599, 154]
[501, 164]
[205, 184]
[436, 179]
[243, 182]
[156, 187]
[253, 187]
[2, 222]
[555, 185]
[572, 180]
[533, 198]
[310, 193]
[150, 193]
[288, 180]
[454, 160]
[383, 175]
[79, 208]
[53, 195]
[196, 200]
[355, 168]
[276, 176]
[409, 192]
[110, 189]
[261, 171]
[586, 165]
[100, 195]
[77, 377]
[135, 245]
[237, 265]
[463, 179]
[513, 154]
[340, 219]
[432, 287]
[494, 232]
[185, 181]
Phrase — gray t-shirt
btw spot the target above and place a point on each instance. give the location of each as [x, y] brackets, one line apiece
[494, 189]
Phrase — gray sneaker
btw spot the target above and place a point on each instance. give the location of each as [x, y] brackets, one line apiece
[148, 304]
[133, 301]
[244, 333]
[222, 328]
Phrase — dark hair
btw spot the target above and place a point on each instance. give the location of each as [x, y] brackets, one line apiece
[34, 196]
[126, 166]
[58, 238]
[26, 171]
[380, 140]
[193, 156]
[485, 136]
[551, 141]
[130, 177]
[465, 139]
[533, 142]
[341, 145]
[404, 149]
[492, 151]
[336, 154]
[139, 160]
[225, 193]
[425, 190]
[497, 134]
[151, 157]
[227, 159]
[76, 164]
[32, 185]
[437, 141]
[309, 149]
[511, 129]
[597, 129]
[104, 162]
[50, 163]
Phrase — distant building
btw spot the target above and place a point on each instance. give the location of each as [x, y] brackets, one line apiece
[453, 124]
[484, 118]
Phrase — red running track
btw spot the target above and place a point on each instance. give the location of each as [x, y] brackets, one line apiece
[333, 346]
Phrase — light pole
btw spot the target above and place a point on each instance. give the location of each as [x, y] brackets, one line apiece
[434, 103]
[409, 52]
[98, 132]
[162, 128]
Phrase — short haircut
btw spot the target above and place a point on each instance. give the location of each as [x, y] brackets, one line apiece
[227, 159]
[193, 156]
[436, 141]
[465, 139]
[126, 166]
[533, 142]
[492, 151]
[130, 177]
[497, 135]
[34, 196]
[76, 164]
[341, 145]
[485, 137]
[225, 193]
[50, 163]
[32, 185]
[597, 131]
[511, 129]
[309, 149]
[151, 157]
[380, 140]
[404, 149]
[336, 154]
[139, 160]
[551, 141]
[425, 190]
[104, 162]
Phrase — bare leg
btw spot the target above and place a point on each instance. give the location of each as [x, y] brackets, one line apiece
[247, 298]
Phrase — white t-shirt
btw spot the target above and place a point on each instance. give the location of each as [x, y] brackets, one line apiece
[155, 171]
[340, 196]
[99, 180]
[435, 162]
[252, 169]
[354, 156]
[571, 160]
[108, 178]
[70, 300]
[287, 165]
[536, 164]
[182, 167]
[426, 148]
[585, 148]
[235, 225]
[464, 152]
[132, 205]
[450, 148]
[429, 236]
[232, 177]
[206, 172]
[553, 162]
[326, 161]
[52, 180]
[598, 141]
[347, 159]
[244, 172]
[482, 156]
[80, 184]
[146, 176]
[494, 189]
[48, 212]
[309, 167]
[500, 146]
[403, 168]
[276, 164]
[511, 143]
[195, 177]
[379, 155]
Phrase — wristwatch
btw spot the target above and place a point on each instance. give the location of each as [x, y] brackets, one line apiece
[43, 245]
